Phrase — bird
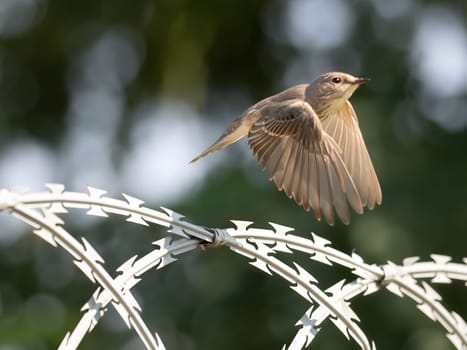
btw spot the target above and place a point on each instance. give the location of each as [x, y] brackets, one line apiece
[307, 138]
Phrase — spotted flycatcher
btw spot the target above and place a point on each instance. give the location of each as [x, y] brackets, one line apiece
[308, 140]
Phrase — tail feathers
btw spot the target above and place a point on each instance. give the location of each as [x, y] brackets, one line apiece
[218, 145]
[198, 158]
[215, 147]
[234, 132]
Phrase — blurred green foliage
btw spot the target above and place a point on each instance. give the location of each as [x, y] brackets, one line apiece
[219, 56]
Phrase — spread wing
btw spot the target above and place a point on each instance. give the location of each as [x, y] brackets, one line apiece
[343, 128]
[303, 160]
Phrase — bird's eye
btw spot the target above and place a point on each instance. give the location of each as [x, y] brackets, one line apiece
[336, 80]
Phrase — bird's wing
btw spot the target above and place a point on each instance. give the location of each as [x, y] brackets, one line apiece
[303, 160]
[241, 126]
[343, 128]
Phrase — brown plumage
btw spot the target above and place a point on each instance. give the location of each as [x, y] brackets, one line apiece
[308, 140]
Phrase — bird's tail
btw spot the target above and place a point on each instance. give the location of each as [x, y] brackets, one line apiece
[234, 132]
[219, 144]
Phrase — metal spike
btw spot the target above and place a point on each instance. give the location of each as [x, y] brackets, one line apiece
[95, 192]
[91, 252]
[173, 214]
[342, 327]
[281, 231]
[410, 260]
[46, 235]
[430, 292]
[136, 203]
[160, 345]
[320, 241]
[166, 260]
[123, 313]
[357, 258]
[440, 259]
[57, 208]
[130, 300]
[261, 265]
[427, 310]
[176, 217]
[51, 218]
[241, 225]
[64, 344]
[137, 219]
[55, 188]
[84, 267]
[133, 201]
[96, 210]
[300, 290]
[441, 278]
[320, 257]
[304, 274]
[336, 288]
[372, 288]
[127, 265]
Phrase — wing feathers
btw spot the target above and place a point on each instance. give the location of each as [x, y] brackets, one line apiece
[343, 127]
[304, 162]
[325, 194]
[314, 183]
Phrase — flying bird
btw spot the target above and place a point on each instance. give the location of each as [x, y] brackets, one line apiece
[308, 140]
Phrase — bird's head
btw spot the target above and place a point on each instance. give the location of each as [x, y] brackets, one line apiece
[331, 90]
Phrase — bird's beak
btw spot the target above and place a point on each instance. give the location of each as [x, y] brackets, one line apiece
[360, 81]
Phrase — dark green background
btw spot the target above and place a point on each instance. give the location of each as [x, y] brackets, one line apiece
[217, 58]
